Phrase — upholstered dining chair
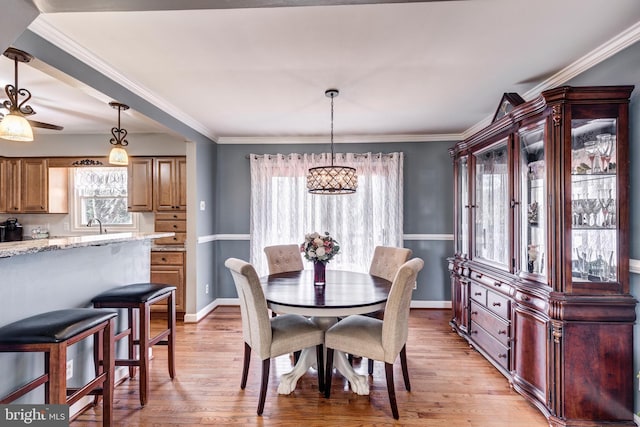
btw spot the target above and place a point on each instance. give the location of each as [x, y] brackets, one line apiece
[385, 263]
[283, 258]
[377, 339]
[270, 336]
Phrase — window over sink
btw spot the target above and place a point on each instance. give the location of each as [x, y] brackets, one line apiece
[101, 193]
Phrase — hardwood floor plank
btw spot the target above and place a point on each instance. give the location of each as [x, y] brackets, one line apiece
[452, 385]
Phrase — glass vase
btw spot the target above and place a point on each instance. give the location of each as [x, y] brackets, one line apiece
[318, 273]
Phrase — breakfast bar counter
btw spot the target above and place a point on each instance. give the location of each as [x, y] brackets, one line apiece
[43, 275]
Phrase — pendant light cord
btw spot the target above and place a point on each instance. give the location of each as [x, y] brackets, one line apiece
[332, 155]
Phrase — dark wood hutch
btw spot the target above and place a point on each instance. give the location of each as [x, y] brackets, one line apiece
[540, 275]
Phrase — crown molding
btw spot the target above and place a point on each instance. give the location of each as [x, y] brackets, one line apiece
[47, 31]
[347, 139]
[606, 50]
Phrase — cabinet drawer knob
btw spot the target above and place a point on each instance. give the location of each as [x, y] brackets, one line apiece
[164, 259]
[477, 294]
[498, 284]
[502, 332]
[474, 332]
[496, 304]
[525, 298]
[474, 313]
[502, 356]
[175, 226]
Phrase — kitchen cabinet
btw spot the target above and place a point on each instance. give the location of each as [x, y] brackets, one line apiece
[171, 221]
[540, 273]
[170, 184]
[167, 267]
[3, 185]
[30, 186]
[140, 184]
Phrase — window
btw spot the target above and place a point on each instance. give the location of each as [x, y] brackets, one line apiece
[283, 211]
[101, 193]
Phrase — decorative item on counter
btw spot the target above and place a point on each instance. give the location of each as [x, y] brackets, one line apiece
[319, 249]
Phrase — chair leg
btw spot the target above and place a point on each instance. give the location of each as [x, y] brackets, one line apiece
[327, 382]
[98, 345]
[266, 364]
[245, 368]
[320, 363]
[405, 368]
[388, 368]
[370, 366]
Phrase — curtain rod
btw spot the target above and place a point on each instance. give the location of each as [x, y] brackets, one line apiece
[248, 156]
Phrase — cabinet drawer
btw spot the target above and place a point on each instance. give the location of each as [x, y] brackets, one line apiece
[178, 239]
[498, 304]
[167, 258]
[498, 352]
[478, 293]
[171, 226]
[496, 327]
[168, 216]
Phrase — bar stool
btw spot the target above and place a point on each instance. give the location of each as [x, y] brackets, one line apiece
[140, 297]
[52, 333]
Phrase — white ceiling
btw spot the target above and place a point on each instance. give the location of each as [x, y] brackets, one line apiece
[418, 70]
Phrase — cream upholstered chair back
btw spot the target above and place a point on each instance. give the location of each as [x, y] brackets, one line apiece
[387, 260]
[395, 327]
[283, 258]
[256, 326]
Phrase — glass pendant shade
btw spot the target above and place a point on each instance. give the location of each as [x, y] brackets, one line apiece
[15, 127]
[332, 180]
[118, 156]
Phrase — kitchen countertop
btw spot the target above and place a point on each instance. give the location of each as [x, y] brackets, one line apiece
[9, 249]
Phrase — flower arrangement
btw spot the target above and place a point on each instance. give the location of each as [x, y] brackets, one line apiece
[319, 248]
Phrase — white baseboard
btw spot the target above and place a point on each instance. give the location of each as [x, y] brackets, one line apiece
[195, 318]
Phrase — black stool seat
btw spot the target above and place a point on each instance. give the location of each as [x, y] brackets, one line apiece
[54, 326]
[52, 333]
[137, 299]
[136, 293]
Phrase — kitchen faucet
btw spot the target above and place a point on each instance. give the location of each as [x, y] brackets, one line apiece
[92, 220]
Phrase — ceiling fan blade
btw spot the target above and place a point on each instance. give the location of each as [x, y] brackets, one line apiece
[37, 124]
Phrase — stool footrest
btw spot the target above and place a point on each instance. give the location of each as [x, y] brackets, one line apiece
[161, 336]
[127, 362]
[122, 334]
[92, 385]
[25, 389]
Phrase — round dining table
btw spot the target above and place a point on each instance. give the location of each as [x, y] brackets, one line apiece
[344, 293]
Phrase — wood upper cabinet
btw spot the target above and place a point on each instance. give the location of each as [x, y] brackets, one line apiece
[170, 184]
[540, 273]
[35, 185]
[140, 184]
[12, 186]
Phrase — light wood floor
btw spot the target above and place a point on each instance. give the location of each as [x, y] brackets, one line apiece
[452, 385]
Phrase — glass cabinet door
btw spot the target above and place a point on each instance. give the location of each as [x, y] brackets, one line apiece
[462, 219]
[594, 204]
[492, 210]
[533, 200]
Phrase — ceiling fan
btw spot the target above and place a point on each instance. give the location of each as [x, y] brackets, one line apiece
[17, 107]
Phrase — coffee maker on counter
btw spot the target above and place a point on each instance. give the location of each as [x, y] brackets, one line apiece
[10, 230]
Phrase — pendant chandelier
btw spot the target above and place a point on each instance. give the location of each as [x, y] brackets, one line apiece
[332, 179]
[118, 155]
[14, 125]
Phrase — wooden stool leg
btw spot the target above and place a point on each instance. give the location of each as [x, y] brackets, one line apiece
[98, 359]
[132, 339]
[171, 339]
[57, 373]
[108, 357]
[143, 348]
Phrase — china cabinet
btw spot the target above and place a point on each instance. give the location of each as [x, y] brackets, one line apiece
[540, 274]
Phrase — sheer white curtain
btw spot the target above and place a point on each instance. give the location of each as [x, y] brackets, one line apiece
[283, 211]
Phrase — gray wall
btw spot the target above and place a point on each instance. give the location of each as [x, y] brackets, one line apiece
[428, 205]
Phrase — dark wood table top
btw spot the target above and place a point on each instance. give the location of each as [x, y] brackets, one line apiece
[345, 292]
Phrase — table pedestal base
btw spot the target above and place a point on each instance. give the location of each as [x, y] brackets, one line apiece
[359, 383]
